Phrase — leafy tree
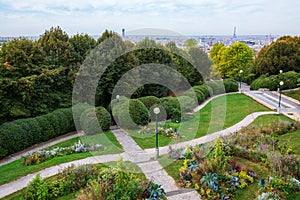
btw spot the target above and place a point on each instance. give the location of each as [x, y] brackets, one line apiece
[81, 46]
[234, 58]
[283, 54]
[191, 43]
[56, 48]
[201, 61]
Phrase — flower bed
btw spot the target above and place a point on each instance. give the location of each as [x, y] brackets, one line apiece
[165, 131]
[43, 155]
[94, 183]
[211, 172]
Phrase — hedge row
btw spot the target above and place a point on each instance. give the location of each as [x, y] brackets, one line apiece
[272, 82]
[22, 133]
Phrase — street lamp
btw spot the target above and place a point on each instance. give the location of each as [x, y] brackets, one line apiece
[118, 97]
[156, 111]
[241, 71]
[280, 84]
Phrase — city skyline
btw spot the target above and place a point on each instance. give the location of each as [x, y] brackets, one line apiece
[215, 17]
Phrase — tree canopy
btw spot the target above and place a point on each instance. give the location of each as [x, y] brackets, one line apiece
[230, 60]
[283, 54]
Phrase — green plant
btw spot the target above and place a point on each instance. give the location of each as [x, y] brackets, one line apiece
[93, 118]
[156, 192]
[149, 101]
[38, 189]
[133, 113]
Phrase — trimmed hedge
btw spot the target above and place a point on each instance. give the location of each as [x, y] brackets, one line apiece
[149, 101]
[132, 113]
[77, 110]
[23, 133]
[172, 107]
[272, 82]
[230, 85]
[92, 118]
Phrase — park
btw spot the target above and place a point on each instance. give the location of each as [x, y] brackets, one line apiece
[162, 122]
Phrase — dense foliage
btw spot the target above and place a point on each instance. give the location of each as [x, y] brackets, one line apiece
[22, 133]
[93, 119]
[36, 77]
[230, 60]
[282, 54]
[272, 82]
[94, 183]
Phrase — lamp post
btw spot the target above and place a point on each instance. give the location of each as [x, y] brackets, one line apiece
[118, 98]
[241, 71]
[156, 111]
[279, 101]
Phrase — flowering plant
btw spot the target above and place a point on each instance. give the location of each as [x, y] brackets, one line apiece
[43, 155]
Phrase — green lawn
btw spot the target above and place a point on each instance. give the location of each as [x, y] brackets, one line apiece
[218, 114]
[16, 169]
[293, 94]
[292, 139]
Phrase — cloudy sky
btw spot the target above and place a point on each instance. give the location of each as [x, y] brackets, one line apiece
[188, 17]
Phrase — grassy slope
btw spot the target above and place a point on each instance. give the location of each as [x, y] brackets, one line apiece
[16, 169]
[218, 114]
[293, 94]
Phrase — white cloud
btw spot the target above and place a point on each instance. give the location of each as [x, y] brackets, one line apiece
[188, 17]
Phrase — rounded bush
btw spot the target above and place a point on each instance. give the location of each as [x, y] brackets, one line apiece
[200, 96]
[63, 122]
[53, 120]
[116, 103]
[230, 85]
[133, 113]
[205, 90]
[92, 118]
[69, 114]
[216, 86]
[78, 109]
[11, 138]
[47, 129]
[172, 107]
[149, 101]
[187, 104]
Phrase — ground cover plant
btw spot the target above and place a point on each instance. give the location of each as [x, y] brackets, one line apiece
[250, 164]
[16, 169]
[112, 181]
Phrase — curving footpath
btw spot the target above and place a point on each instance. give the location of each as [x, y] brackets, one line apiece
[143, 158]
[132, 152]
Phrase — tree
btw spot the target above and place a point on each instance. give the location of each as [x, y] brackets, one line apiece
[56, 48]
[234, 58]
[201, 61]
[82, 44]
[283, 54]
[190, 43]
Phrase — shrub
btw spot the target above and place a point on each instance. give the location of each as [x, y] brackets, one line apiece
[63, 122]
[38, 189]
[78, 109]
[69, 114]
[230, 85]
[187, 104]
[133, 113]
[53, 121]
[216, 86]
[47, 129]
[11, 138]
[149, 101]
[172, 107]
[92, 118]
[205, 90]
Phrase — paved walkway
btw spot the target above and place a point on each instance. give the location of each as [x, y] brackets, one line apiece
[37, 147]
[132, 152]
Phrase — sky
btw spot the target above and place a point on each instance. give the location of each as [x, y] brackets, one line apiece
[187, 17]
